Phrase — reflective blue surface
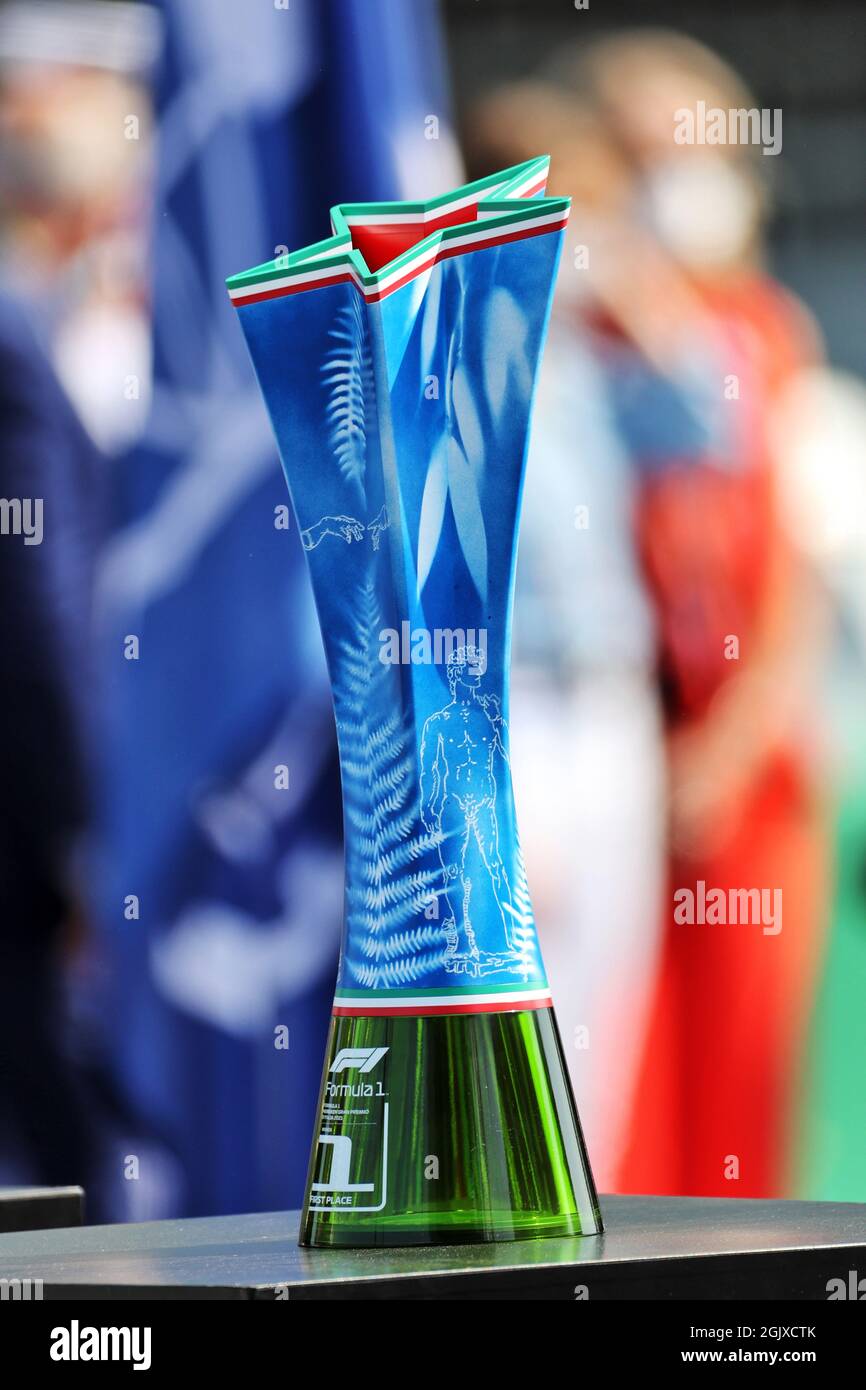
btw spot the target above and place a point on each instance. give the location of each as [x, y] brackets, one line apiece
[403, 428]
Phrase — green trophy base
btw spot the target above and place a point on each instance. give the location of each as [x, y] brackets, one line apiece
[447, 1130]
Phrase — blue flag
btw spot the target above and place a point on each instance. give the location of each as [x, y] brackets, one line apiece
[222, 878]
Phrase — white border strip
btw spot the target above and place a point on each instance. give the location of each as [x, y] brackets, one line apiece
[426, 257]
[436, 1001]
[429, 254]
[399, 219]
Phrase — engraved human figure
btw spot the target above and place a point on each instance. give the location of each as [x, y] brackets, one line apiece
[347, 528]
[461, 747]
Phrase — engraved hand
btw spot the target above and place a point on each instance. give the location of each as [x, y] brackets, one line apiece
[379, 524]
[348, 528]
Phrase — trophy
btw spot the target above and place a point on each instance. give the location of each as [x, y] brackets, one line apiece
[398, 361]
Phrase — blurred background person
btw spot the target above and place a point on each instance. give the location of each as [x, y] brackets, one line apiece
[691, 346]
[702, 232]
[49, 472]
[738, 624]
[71, 247]
[215, 879]
[586, 730]
[74, 187]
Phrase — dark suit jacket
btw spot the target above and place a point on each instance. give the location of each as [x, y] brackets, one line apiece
[45, 627]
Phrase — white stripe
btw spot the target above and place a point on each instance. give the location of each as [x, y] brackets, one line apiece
[536, 181]
[425, 257]
[515, 197]
[330, 251]
[398, 219]
[436, 1000]
[393, 219]
[286, 281]
[468, 239]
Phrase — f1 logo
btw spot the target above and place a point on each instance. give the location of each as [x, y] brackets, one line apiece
[363, 1058]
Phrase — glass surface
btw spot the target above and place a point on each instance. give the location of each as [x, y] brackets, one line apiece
[463, 1129]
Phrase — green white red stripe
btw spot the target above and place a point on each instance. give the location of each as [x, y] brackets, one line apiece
[490, 212]
[423, 1003]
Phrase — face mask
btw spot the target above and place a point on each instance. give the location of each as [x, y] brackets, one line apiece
[702, 209]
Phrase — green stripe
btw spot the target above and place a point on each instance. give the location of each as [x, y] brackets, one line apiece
[436, 993]
[301, 262]
[504, 181]
[296, 263]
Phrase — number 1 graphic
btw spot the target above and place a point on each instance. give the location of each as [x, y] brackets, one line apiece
[341, 1165]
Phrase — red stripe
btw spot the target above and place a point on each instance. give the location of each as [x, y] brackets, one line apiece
[428, 1010]
[445, 253]
[292, 289]
[536, 188]
[450, 217]
[373, 296]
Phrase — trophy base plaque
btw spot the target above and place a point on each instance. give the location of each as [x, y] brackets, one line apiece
[454, 1130]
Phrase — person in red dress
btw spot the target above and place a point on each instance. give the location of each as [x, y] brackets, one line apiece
[696, 343]
[739, 627]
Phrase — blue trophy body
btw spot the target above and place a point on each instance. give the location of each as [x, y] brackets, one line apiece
[398, 361]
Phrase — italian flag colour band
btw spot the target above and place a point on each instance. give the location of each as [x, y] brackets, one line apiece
[407, 240]
[419, 1003]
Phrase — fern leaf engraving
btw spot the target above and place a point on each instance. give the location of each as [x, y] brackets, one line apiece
[392, 869]
[522, 920]
[348, 373]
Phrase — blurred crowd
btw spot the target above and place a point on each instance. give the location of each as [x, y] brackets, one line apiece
[681, 722]
[690, 642]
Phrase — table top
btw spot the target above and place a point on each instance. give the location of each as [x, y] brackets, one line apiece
[651, 1247]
